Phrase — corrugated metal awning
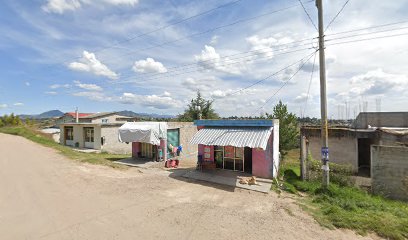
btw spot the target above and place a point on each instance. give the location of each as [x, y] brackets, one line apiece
[253, 137]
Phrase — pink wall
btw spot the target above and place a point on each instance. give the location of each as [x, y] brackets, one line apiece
[163, 146]
[262, 161]
[135, 148]
[201, 151]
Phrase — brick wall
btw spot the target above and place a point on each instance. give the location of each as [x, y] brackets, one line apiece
[112, 144]
[187, 131]
[389, 171]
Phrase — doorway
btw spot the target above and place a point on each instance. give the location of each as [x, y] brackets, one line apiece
[364, 157]
[230, 158]
[248, 159]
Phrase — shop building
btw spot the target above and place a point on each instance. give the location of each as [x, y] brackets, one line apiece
[250, 146]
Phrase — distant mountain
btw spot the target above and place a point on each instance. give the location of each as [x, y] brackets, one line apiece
[58, 113]
[147, 115]
[48, 114]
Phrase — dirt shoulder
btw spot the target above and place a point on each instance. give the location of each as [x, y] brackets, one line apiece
[43, 195]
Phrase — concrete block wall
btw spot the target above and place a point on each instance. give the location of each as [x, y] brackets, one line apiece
[187, 131]
[343, 150]
[112, 144]
[389, 171]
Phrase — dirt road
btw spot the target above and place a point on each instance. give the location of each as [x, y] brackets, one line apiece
[46, 196]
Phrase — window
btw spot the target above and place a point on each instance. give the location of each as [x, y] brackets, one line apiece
[69, 133]
[89, 134]
[105, 120]
[229, 157]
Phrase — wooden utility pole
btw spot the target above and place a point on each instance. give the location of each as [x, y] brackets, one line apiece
[323, 98]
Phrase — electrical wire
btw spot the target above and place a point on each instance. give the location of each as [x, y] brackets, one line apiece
[338, 13]
[267, 77]
[369, 33]
[310, 84]
[367, 39]
[209, 30]
[166, 75]
[367, 28]
[286, 82]
[310, 18]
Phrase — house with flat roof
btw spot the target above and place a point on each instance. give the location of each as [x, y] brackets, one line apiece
[352, 145]
[250, 146]
[93, 131]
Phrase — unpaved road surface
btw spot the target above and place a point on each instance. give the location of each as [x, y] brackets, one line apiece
[43, 195]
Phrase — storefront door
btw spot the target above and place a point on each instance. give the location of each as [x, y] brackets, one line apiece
[229, 157]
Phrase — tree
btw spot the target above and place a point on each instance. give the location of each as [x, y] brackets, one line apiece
[1, 122]
[192, 111]
[288, 128]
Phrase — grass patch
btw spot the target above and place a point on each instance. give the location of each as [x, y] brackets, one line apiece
[344, 206]
[46, 140]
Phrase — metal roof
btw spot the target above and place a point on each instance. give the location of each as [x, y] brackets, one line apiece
[235, 123]
[253, 137]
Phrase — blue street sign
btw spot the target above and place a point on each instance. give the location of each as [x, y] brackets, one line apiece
[325, 153]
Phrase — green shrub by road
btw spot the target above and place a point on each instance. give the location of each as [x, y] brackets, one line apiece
[45, 140]
[345, 206]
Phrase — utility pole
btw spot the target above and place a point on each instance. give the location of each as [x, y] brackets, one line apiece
[323, 98]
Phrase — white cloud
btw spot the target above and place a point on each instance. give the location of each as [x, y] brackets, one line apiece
[122, 2]
[27, 84]
[18, 104]
[199, 85]
[95, 96]
[60, 6]
[51, 93]
[149, 65]
[3, 106]
[89, 87]
[214, 39]
[154, 101]
[210, 59]
[167, 94]
[375, 82]
[56, 86]
[302, 97]
[89, 63]
[267, 46]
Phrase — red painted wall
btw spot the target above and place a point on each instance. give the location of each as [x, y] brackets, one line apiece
[201, 151]
[135, 148]
[262, 161]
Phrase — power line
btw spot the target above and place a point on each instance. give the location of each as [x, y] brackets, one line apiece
[227, 59]
[304, 9]
[338, 13]
[310, 84]
[370, 33]
[367, 39]
[266, 78]
[197, 70]
[257, 51]
[367, 28]
[169, 25]
[285, 82]
[210, 30]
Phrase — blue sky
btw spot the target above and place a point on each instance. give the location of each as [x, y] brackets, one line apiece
[62, 54]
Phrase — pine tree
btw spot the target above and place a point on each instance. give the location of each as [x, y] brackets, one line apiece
[192, 111]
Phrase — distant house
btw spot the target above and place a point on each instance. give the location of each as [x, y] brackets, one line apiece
[352, 145]
[93, 131]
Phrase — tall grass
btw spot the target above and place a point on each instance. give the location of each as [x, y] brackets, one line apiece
[46, 140]
[345, 206]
